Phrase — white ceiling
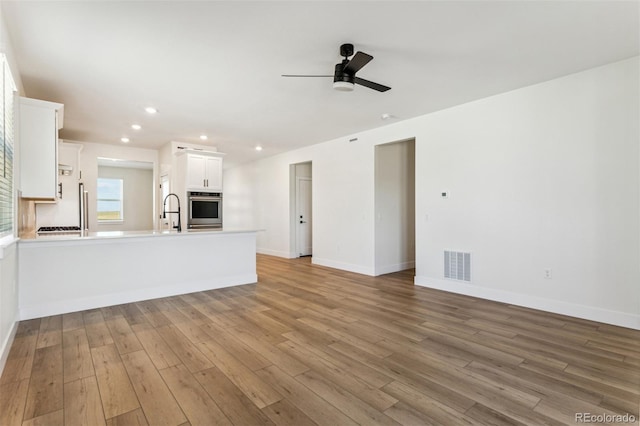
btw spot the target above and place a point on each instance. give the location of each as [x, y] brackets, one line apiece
[214, 67]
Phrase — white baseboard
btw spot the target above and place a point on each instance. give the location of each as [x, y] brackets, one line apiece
[6, 346]
[276, 253]
[592, 313]
[388, 269]
[344, 266]
[81, 304]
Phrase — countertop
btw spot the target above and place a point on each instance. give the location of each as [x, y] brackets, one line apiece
[85, 236]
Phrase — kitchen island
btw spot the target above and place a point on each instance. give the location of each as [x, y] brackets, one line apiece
[68, 273]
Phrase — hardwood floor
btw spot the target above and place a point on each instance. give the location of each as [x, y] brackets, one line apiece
[311, 345]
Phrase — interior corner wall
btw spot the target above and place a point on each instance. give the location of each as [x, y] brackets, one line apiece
[394, 207]
[544, 177]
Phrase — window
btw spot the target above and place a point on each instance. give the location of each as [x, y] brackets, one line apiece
[110, 200]
[7, 91]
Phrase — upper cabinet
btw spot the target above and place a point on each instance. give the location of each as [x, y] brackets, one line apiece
[39, 122]
[203, 172]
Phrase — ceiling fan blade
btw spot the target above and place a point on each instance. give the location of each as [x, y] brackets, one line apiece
[304, 75]
[358, 61]
[371, 84]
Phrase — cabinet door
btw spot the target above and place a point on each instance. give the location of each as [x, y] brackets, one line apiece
[214, 173]
[196, 172]
[38, 152]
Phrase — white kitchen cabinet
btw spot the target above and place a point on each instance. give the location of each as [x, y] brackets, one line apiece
[39, 122]
[204, 172]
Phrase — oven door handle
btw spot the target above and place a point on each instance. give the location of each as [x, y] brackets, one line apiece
[205, 198]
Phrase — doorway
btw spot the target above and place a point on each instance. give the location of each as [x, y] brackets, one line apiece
[394, 207]
[301, 209]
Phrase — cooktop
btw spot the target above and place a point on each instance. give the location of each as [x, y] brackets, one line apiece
[58, 229]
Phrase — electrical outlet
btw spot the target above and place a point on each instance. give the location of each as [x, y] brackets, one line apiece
[548, 274]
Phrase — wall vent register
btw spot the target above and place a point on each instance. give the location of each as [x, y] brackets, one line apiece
[457, 265]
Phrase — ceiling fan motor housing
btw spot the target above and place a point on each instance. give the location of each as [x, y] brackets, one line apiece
[341, 75]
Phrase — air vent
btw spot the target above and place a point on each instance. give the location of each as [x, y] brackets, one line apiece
[457, 265]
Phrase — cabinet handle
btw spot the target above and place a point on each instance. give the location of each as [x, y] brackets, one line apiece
[60, 189]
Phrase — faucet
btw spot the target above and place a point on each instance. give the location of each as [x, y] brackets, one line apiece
[164, 211]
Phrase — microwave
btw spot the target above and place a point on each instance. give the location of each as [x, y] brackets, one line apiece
[205, 210]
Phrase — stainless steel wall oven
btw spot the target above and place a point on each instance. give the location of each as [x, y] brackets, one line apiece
[205, 210]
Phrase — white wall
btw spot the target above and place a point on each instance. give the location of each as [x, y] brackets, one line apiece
[89, 166]
[7, 49]
[138, 190]
[394, 207]
[239, 208]
[8, 300]
[8, 258]
[342, 202]
[542, 177]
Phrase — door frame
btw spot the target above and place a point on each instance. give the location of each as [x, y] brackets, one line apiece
[293, 237]
[297, 228]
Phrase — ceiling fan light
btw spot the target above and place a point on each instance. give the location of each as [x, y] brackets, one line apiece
[343, 86]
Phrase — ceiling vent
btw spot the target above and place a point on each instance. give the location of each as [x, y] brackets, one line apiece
[457, 265]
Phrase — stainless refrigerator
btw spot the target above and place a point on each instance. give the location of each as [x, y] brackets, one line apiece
[83, 210]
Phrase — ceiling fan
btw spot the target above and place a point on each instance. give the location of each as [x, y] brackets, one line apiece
[344, 76]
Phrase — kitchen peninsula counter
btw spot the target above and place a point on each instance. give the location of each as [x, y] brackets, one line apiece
[85, 236]
[68, 273]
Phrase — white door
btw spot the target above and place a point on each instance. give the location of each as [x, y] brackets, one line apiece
[303, 216]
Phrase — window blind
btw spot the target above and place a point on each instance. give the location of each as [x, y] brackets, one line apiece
[7, 89]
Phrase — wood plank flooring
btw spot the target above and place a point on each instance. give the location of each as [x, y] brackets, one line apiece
[311, 345]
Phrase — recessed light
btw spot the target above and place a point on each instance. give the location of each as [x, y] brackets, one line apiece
[258, 148]
[136, 126]
[125, 139]
[151, 110]
[204, 137]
